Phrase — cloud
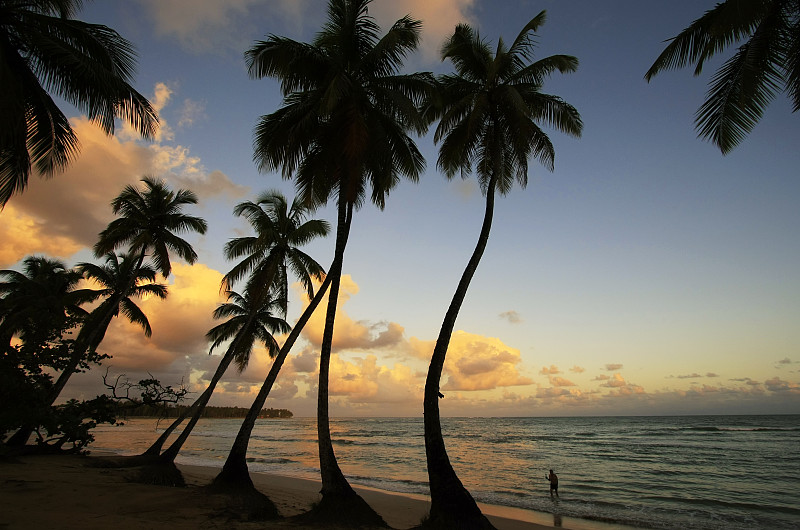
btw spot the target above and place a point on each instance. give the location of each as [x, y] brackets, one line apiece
[511, 316]
[553, 369]
[349, 334]
[439, 19]
[475, 362]
[59, 216]
[780, 386]
[179, 323]
[560, 381]
[190, 112]
[613, 367]
[577, 369]
[617, 381]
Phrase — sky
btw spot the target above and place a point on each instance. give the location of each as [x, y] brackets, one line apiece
[647, 274]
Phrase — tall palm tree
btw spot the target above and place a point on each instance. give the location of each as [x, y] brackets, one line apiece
[766, 63]
[279, 229]
[251, 319]
[342, 128]
[44, 51]
[149, 221]
[488, 113]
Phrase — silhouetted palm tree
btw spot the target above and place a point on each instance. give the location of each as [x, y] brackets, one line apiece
[279, 229]
[43, 50]
[251, 319]
[148, 221]
[488, 113]
[767, 62]
[38, 304]
[341, 129]
[38, 301]
[114, 278]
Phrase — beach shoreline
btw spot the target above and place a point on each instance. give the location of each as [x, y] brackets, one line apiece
[68, 491]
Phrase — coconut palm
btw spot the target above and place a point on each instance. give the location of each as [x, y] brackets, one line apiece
[488, 111]
[280, 230]
[40, 300]
[251, 319]
[767, 62]
[114, 279]
[341, 129]
[44, 51]
[149, 221]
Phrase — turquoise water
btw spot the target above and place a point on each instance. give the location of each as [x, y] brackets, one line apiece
[698, 472]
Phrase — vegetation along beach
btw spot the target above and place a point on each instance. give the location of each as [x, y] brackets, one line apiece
[452, 264]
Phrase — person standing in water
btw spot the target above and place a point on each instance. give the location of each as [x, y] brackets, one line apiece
[553, 478]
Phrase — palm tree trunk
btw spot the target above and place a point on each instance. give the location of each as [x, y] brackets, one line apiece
[171, 452]
[452, 506]
[333, 481]
[155, 449]
[235, 472]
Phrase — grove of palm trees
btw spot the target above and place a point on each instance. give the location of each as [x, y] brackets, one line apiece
[344, 135]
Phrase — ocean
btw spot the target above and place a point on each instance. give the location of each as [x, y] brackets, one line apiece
[688, 472]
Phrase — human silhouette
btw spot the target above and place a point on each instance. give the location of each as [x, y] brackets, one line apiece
[553, 478]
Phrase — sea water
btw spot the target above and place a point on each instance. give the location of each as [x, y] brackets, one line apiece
[698, 472]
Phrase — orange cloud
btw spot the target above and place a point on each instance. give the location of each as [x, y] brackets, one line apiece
[547, 371]
[179, 323]
[475, 362]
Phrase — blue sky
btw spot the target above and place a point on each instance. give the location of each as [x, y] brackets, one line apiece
[648, 274]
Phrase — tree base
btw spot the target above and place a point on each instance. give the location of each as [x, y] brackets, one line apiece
[245, 502]
[160, 474]
[342, 511]
[442, 522]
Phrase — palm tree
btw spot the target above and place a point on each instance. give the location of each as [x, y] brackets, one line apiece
[280, 229]
[40, 300]
[342, 127]
[251, 319]
[767, 62]
[43, 50]
[37, 304]
[149, 221]
[488, 111]
[114, 279]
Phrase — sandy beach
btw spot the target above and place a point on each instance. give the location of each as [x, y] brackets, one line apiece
[66, 491]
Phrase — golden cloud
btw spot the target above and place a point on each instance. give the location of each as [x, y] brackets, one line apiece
[179, 323]
[475, 362]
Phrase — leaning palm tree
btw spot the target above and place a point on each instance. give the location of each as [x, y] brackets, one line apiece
[488, 113]
[114, 279]
[149, 221]
[251, 319]
[766, 63]
[280, 230]
[341, 129]
[44, 51]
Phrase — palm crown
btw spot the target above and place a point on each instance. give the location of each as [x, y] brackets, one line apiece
[490, 107]
[767, 62]
[42, 51]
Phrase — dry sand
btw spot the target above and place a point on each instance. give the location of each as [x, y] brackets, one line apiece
[64, 492]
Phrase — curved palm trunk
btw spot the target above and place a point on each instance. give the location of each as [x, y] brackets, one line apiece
[333, 481]
[171, 452]
[235, 472]
[155, 449]
[452, 506]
